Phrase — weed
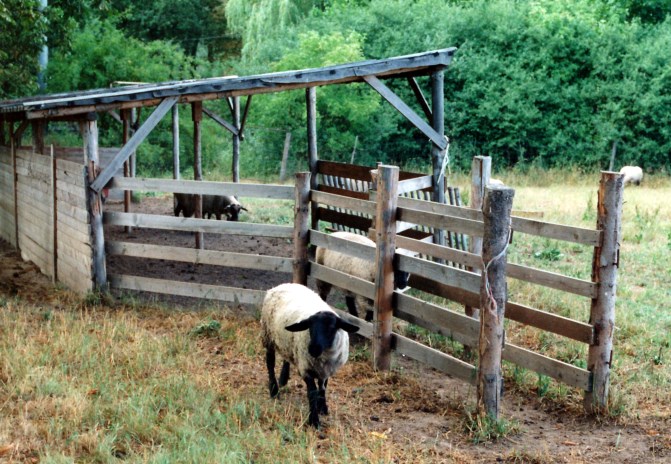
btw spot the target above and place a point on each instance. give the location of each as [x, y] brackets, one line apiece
[208, 329]
[543, 385]
[589, 215]
[549, 254]
[484, 428]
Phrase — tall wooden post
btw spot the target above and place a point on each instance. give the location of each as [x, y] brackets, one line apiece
[39, 128]
[386, 182]
[125, 137]
[481, 169]
[175, 142]
[301, 227]
[311, 103]
[235, 170]
[54, 217]
[92, 160]
[13, 143]
[285, 156]
[604, 273]
[197, 116]
[437, 155]
[498, 205]
[3, 140]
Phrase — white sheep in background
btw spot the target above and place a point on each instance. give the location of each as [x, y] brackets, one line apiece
[307, 333]
[632, 174]
[356, 267]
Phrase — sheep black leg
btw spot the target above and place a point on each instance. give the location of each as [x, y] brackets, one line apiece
[270, 364]
[313, 401]
[323, 408]
[351, 305]
[323, 289]
[284, 374]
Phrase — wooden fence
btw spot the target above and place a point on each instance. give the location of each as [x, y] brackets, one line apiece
[464, 286]
[196, 255]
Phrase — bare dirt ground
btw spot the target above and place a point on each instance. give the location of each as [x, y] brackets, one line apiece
[412, 407]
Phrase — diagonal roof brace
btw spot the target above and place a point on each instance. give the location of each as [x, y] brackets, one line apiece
[406, 111]
[137, 138]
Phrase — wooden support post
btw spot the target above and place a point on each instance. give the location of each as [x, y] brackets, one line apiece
[386, 182]
[197, 116]
[3, 140]
[301, 228]
[604, 272]
[54, 218]
[235, 170]
[311, 103]
[95, 206]
[285, 156]
[481, 169]
[39, 128]
[13, 142]
[125, 136]
[493, 295]
[437, 153]
[175, 142]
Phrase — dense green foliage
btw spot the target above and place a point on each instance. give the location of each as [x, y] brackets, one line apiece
[544, 83]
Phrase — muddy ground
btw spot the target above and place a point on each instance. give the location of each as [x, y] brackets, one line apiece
[432, 407]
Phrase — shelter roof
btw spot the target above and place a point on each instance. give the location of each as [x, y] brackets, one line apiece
[72, 104]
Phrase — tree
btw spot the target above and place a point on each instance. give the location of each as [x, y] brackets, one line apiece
[22, 29]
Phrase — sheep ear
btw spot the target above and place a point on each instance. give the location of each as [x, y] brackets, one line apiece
[243, 208]
[299, 326]
[346, 326]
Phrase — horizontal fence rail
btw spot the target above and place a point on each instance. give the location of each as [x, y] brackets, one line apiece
[198, 256]
[153, 221]
[278, 192]
[174, 287]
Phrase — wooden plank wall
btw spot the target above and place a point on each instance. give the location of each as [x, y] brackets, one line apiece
[7, 224]
[34, 212]
[73, 237]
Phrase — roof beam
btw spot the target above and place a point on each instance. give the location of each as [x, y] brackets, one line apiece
[420, 98]
[406, 111]
[137, 138]
[221, 121]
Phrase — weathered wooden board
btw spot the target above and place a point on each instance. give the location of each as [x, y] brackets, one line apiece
[417, 183]
[440, 273]
[439, 251]
[343, 192]
[71, 176]
[69, 165]
[580, 235]
[552, 280]
[344, 170]
[152, 221]
[76, 230]
[78, 214]
[26, 184]
[441, 221]
[554, 323]
[342, 245]
[172, 287]
[191, 255]
[71, 194]
[78, 251]
[76, 260]
[32, 251]
[434, 358]
[74, 278]
[440, 209]
[365, 328]
[342, 280]
[566, 373]
[449, 323]
[344, 219]
[361, 206]
[278, 192]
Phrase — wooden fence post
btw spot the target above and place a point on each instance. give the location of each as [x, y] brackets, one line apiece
[285, 156]
[197, 117]
[481, 168]
[125, 137]
[235, 169]
[91, 155]
[386, 183]
[313, 157]
[438, 155]
[13, 142]
[493, 294]
[54, 216]
[175, 142]
[604, 272]
[301, 227]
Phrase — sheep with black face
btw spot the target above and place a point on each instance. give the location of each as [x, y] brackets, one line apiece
[305, 332]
